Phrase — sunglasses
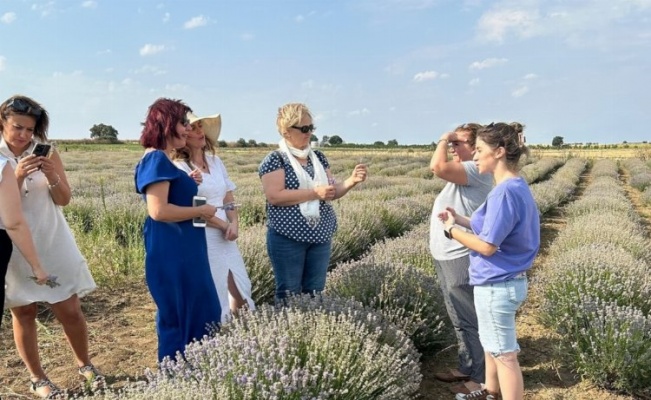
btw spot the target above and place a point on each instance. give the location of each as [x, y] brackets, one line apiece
[185, 121]
[23, 107]
[305, 128]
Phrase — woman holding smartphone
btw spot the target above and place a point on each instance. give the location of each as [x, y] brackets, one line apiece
[176, 259]
[44, 190]
[199, 160]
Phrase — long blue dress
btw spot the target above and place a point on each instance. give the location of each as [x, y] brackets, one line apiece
[176, 262]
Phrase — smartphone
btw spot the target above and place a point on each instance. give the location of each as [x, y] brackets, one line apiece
[198, 201]
[41, 149]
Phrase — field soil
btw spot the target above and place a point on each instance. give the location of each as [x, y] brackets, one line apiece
[123, 342]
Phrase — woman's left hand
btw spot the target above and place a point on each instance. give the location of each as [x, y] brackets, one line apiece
[359, 173]
[47, 167]
[231, 232]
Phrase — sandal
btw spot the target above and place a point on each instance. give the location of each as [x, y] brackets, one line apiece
[94, 379]
[54, 393]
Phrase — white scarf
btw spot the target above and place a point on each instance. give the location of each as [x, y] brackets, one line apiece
[309, 209]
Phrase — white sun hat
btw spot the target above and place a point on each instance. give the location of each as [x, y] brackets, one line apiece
[212, 125]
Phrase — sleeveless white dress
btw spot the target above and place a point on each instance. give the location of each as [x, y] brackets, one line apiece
[224, 255]
[54, 243]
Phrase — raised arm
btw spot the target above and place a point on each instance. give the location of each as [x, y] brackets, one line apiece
[448, 170]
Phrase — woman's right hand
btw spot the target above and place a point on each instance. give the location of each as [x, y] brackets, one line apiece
[40, 275]
[325, 193]
[27, 166]
[196, 176]
[207, 211]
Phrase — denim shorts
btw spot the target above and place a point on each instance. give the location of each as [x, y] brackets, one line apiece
[496, 304]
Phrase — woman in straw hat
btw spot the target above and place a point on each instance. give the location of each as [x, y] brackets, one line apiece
[199, 160]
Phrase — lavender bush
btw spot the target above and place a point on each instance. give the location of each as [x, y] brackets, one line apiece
[406, 295]
[321, 348]
[612, 345]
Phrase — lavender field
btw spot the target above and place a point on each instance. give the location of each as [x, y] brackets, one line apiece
[381, 329]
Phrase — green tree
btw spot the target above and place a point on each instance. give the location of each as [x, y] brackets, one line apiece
[378, 143]
[335, 140]
[557, 141]
[102, 131]
[314, 138]
[252, 143]
[241, 142]
[392, 142]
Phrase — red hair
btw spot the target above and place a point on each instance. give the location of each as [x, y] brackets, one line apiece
[161, 121]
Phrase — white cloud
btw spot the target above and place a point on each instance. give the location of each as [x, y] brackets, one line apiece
[519, 92]
[44, 9]
[8, 17]
[175, 87]
[444, 76]
[309, 84]
[473, 82]
[2, 63]
[488, 63]
[299, 18]
[363, 111]
[102, 52]
[494, 25]
[530, 76]
[151, 49]
[425, 76]
[150, 70]
[89, 4]
[166, 17]
[195, 22]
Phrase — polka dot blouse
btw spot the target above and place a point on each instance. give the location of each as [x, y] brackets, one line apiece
[288, 220]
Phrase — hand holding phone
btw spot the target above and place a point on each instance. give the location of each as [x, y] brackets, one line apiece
[198, 222]
[41, 150]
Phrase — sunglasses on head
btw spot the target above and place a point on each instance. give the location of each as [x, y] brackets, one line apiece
[23, 107]
[185, 121]
[305, 128]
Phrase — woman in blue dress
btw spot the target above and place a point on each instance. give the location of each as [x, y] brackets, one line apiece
[176, 260]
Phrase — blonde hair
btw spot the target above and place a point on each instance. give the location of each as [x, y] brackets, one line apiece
[291, 114]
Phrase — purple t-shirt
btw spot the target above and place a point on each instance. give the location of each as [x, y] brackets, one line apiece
[508, 219]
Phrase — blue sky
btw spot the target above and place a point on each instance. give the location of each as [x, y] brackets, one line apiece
[368, 69]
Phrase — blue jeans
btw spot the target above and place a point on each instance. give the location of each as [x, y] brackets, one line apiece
[459, 302]
[496, 304]
[299, 267]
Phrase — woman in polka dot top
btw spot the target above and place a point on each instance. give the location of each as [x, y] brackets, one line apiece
[298, 185]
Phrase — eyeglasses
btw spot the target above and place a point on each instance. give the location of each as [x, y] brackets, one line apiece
[23, 107]
[456, 143]
[305, 128]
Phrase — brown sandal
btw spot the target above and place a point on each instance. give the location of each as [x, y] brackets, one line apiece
[54, 393]
[94, 379]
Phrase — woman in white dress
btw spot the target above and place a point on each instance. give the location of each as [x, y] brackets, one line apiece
[199, 160]
[44, 190]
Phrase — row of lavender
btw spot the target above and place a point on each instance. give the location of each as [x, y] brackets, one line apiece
[640, 177]
[597, 294]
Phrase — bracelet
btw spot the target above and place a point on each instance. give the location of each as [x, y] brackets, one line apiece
[55, 184]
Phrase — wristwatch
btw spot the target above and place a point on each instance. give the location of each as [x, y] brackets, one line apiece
[448, 232]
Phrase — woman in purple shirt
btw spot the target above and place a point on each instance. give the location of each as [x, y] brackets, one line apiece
[504, 241]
